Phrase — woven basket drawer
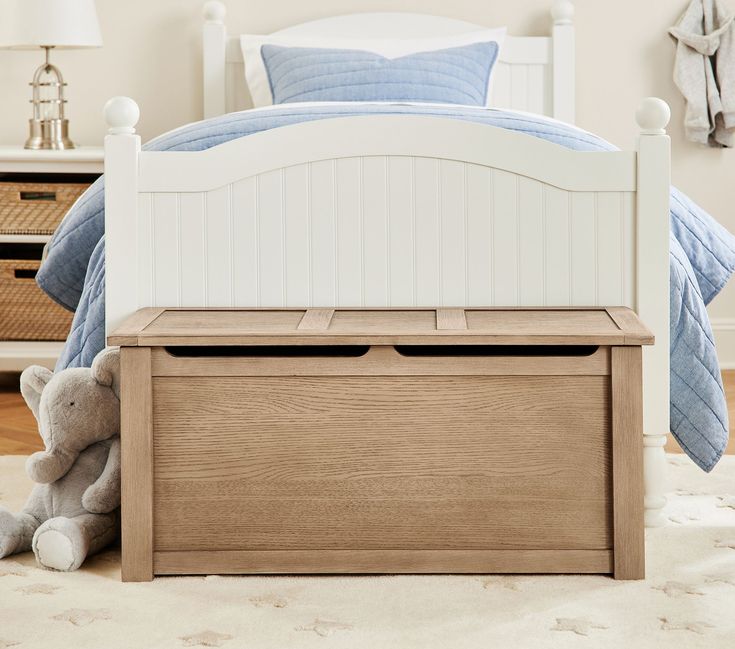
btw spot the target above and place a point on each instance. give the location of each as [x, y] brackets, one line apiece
[26, 313]
[35, 208]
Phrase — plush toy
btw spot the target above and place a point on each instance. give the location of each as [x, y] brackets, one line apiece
[73, 510]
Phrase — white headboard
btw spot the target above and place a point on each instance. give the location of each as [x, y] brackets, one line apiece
[534, 73]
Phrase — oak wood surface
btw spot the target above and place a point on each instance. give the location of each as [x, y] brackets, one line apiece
[387, 327]
[449, 462]
[451, 319]
[126, 333]
[316, 319]
[137, 464]
[378, 361]
[627, 463]
[393, 561]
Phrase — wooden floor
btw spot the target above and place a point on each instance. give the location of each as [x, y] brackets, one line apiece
[19, 433]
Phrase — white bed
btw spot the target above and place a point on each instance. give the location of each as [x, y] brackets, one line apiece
[575, 229]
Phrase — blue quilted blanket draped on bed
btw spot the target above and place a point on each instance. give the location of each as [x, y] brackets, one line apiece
[702, 258]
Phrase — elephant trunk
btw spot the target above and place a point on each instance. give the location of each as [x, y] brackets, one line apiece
[46, 467]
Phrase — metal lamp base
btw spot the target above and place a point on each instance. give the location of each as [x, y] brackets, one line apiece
[49, 134]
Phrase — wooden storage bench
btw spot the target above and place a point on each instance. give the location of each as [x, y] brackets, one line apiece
[382, 441]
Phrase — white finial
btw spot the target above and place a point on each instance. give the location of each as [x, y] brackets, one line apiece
[653, 115]
[562, 11]
[121, 115]
[214, 11]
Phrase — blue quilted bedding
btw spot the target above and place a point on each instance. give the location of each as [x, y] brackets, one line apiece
[702, 258]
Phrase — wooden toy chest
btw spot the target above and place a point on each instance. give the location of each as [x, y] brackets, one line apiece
[382, 441]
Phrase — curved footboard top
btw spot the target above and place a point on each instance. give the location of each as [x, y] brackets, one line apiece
[412, 136]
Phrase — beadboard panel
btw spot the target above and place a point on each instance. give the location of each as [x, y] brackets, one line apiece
[387, 231]
[522, 87]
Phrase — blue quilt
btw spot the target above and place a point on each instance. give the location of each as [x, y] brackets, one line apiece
[702, 258]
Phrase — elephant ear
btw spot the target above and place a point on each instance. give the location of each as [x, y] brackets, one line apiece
[32, 382]
[106, 369]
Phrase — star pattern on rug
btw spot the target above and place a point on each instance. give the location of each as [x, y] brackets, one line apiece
[38, 589]
[325, 628]
[8, 568]
[726, 501]
[269, 600]
[206, 639]
[696, 626]
[720, 579]
[725, 543]
[508, 583]
[83, 616]
[578, 625]
[677, 589]
[685, 516]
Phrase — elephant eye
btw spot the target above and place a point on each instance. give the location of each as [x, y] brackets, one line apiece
[71, 403]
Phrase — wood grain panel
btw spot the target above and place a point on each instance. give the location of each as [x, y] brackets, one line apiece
[389, 327]
[627, 457]
[450, 319]
[383, 561]
[380, 361]
[136, 436]
[475, 462]
[316, 319]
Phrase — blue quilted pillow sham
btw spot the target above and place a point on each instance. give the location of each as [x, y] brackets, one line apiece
[458, 75]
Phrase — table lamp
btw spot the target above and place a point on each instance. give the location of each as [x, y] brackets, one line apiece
[49, 24]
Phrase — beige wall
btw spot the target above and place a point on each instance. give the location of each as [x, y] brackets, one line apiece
[152, 53]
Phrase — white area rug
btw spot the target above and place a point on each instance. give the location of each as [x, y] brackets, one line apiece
[688, 600]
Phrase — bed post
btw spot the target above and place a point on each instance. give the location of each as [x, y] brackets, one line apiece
[214, 41]
[654, 179]
[563, 64]
[122, 147]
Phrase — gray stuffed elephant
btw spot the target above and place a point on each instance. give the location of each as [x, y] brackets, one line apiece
[73, 510]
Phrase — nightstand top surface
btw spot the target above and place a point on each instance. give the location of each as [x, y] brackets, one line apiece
[84, 159]
[82, 153]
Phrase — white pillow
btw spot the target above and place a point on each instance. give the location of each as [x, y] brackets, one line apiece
[256, 76]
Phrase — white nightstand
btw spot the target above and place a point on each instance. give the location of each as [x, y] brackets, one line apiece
[34, 178]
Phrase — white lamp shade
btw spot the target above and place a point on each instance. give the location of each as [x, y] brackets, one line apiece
[28, 24]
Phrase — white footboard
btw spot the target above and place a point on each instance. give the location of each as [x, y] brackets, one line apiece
[396, 211]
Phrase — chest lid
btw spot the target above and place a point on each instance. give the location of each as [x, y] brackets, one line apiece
[154, 327]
